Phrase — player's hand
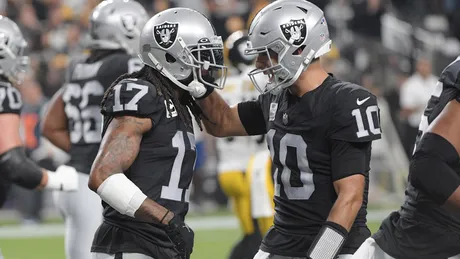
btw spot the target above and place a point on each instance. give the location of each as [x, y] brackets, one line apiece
[198, 90]
[181, 235]
[64, 179]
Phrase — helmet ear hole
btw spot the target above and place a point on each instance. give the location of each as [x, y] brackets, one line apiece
[170, 58]
[298, 51]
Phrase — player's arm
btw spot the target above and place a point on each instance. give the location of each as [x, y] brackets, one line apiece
[54, 125]
[119, 148]
[355, 124]
[243, 119]
[134, 109]
[350, 163]
[21, 170]
[431, 167]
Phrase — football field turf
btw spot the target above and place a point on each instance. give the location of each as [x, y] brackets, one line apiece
[209, 243]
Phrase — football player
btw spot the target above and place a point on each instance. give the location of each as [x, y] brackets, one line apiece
[15, 167]
[319, 132]
[234, 152]
[428, 223]
[73, 122]
[146, 160]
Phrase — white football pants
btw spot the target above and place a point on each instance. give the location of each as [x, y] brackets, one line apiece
[264, 255]
[371, 250]
[82, 211]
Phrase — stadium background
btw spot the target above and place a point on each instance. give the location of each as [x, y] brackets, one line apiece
[385, 45]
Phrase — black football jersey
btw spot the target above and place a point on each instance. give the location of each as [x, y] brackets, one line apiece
[299, 133]
[426, 230]
[10, 102]
[83, 92]
[10, 99]
[163, 169]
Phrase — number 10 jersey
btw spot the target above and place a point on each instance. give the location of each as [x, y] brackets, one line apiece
[301, 134]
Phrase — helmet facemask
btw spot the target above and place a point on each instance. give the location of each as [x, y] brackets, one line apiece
[207, 61]
[273, 78]
[13, 63]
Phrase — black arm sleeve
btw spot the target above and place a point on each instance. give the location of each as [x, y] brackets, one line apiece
[349, 158]
[431, 168]
[19, 169]
[252, 117]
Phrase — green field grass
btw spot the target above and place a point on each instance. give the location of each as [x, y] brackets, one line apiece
[212, 244]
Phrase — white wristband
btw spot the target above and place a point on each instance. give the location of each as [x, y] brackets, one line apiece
[54, 182]
[121, 194]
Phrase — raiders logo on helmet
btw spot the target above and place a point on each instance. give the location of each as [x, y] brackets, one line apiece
[165, 34]
[295, 31]
[129, 23]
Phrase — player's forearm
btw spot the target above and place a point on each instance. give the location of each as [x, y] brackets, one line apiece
[58, 137]
[153, 212]
[216, 110]
[345, 210]
[19, 169]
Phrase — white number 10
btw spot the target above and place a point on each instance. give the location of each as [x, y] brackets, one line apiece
[362, 132]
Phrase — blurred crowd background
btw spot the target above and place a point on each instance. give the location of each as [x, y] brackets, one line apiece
[395, 48]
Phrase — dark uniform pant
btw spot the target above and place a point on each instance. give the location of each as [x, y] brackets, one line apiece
[125, 256]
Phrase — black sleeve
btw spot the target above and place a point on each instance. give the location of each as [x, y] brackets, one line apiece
[252, 117]
[450, 76]
[432, 167]
[10, 100]
[348, 158]
[356, 116]
[132, 97]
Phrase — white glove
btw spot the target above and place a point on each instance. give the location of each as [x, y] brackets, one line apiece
[197, 89]
[64, 179]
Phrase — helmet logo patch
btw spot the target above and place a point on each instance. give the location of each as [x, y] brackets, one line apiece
[295, 31]
[129, 22]
[165, 34]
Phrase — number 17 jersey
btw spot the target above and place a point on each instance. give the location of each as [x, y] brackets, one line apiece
[301, 132]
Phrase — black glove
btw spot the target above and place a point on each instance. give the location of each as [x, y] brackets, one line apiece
[181, 235]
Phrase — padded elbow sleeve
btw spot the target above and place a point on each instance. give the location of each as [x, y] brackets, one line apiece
[432, 168]
[19, 169]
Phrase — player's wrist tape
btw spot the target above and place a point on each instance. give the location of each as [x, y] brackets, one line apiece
[121, 194]
[328, 242]
[54, 181]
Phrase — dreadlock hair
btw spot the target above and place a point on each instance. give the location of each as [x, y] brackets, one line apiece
[168, 90]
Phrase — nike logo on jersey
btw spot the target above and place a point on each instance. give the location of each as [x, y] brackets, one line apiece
[359, 102]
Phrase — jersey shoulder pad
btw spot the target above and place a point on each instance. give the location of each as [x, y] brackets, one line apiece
[10, 99]
[127, 63]
[133, 97]
[356, 115]
[450, 76]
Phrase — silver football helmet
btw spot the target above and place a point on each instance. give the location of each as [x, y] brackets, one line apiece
[13, 62]
[117, 24]
[182, 44]
[297, 32]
